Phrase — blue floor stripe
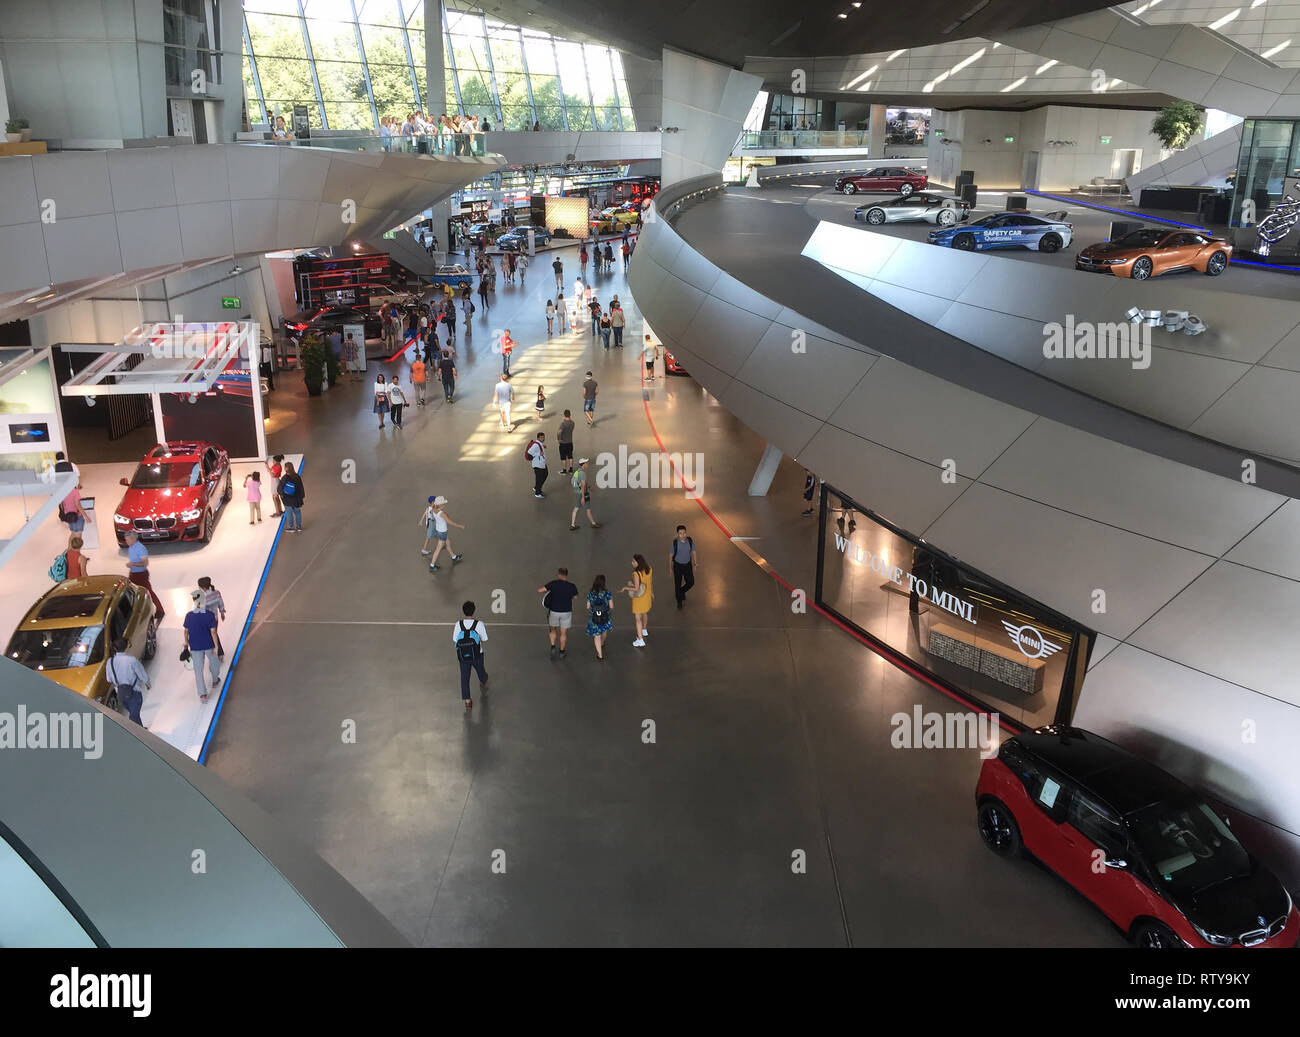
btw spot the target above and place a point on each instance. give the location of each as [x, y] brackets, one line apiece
[243, 636]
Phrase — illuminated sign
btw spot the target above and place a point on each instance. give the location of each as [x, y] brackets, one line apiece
[230, 302]
[1030, 641]
[907, 581]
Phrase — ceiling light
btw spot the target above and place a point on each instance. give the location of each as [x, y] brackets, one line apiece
[1276, 50]
[1012, 86]
[1045, 66]
[1225, 19]
[895, 54]
[841, 15]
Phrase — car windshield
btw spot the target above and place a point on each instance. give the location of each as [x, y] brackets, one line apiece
[1146, 238]
[167, 475]
[1188, 845]
[59, 649]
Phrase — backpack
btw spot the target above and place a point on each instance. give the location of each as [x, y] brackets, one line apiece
[290, 489]
[531, 443]
[467, 645]
[672, 551]
[59, 570]
[600, 612]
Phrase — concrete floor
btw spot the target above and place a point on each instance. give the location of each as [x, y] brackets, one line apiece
[771, 728]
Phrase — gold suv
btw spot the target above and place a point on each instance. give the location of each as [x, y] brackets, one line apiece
[66, 635]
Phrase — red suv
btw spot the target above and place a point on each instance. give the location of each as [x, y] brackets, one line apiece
[882, 178]
[178, 492]
[1146, 849]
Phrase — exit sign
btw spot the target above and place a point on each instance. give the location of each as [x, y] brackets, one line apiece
[390, 235]
[1105, 140]
[1009, 140]
[230, 302]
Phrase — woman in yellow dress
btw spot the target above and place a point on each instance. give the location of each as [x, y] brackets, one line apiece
[641, 591]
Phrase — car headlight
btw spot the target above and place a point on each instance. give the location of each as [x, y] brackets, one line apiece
[120, 520]
[191, 514]
[1213, 939]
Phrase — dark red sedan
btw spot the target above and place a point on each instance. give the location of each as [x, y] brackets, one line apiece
[883, 178]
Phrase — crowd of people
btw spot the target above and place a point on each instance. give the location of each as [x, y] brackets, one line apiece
[446, 135]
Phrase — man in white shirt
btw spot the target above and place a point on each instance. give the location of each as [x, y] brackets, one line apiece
[125, 672]
[469, 635]
[536, 452]
[651, 353]
[503, 393]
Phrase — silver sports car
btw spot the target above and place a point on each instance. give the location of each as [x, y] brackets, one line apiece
[922, 206]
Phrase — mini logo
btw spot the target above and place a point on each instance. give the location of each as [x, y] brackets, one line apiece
[1030, 642]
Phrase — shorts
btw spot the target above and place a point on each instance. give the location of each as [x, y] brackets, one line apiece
[649, 365]
[441, 534]
[566, 451]
[589, 406]
[563, 620]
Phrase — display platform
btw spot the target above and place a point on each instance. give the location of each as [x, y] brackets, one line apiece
[236, 559]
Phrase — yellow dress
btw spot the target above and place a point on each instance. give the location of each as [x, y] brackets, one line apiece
[641, 605]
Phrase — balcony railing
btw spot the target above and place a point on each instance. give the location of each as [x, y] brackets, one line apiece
[462, 144]
[804, 139]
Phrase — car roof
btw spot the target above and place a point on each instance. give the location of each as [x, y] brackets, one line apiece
[90, 586]
[176, 450]
[1110, 772]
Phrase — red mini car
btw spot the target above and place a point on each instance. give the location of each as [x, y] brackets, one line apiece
[882, 178]
[671, 364]
[178, 492]
[1145, 848]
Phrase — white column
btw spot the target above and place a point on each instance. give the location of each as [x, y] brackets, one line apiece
[765, 472]
[704, 106]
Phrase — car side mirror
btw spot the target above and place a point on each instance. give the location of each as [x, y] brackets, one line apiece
[125, 482]
[1116, 862]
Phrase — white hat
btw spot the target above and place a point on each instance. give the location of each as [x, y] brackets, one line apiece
[439, 501]
[583, 460]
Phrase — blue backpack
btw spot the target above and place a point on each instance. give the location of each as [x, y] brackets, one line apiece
[59, 570]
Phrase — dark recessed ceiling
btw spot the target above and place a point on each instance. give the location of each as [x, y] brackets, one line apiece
[731, 30]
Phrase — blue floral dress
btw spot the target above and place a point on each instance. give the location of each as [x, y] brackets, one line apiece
[594, 599]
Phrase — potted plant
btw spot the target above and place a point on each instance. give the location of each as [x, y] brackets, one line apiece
[14, 130]
[311, 358]
[25, 128]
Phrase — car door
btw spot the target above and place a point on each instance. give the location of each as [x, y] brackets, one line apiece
[1095, 835]
[209, 474]
[1000, 232]
[1169, 256]
[872, 180]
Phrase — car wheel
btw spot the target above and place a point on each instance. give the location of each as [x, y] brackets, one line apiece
[965, 242]
[225, 497]
[207, 527]
[998, 828]
[1156, 936]
[876, 217]
[945, 217]
[906, 189]
[1141, 269]
[1217, 264]
[849, 188]
[1049, 243]
[150, 641]
[111, 702]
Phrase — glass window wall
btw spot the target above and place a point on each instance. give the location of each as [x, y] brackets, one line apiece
[319, 53]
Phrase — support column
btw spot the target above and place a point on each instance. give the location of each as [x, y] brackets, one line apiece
[876, 132]
[765, 472]
[435, 61]
[704, 106]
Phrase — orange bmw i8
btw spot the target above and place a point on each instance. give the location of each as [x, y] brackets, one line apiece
[1155, 250]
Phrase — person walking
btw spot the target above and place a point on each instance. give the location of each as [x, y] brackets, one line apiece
[441, 522]
[253, 488]
[428, 522]
[582, 257]
[276, 467]
[565, 438]
[617, 321]
[396, 400]
[627, 250]
[200, 628]
[483, 291]
[523, 267]
[606, 326]
[539, 404]
[558, 602]
[503, 394]
[684, 561]
[137, 569]
[558, 267]
[589, 390]
[292, 493]
[550, 317]
[447, 371]
[419, 375]
[595, 309]
[561, 310]
[651, 353]
[581, 495]
[609, 257]
[641, 590]
[381, 399]
[507, 347]
[216, 604]
[469, 635]
[536, 454]
[600, 614]
[126, 678]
